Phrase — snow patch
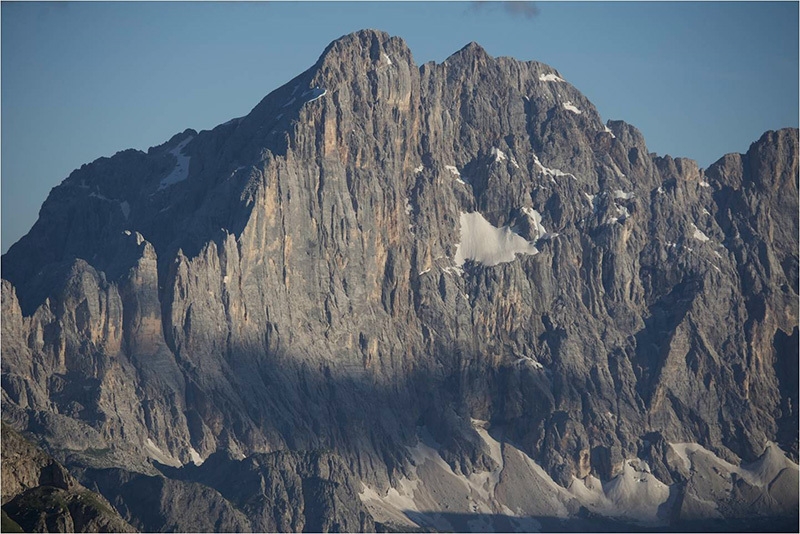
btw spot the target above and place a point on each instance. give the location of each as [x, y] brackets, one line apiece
[569, 106]
[453, 270]
[551, 77]
[547, 171]
[660, 190]
[315, 94]
[409, 208]
[535, 219]
[700, 236]
[419, 169]
[387, 59]
[99, 196]
[126, 209]
[486, 244]
[619, 194]
[290, 102]
[454, 171]
[705, 184]
[608, 131]
[181, 170]
[529, 361]
[622, 214]
[622, 211]
[592, 201]
[499, 156]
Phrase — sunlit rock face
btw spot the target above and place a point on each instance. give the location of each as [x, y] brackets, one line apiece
[449, 289]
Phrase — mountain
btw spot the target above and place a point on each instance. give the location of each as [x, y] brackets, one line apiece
[451, 290]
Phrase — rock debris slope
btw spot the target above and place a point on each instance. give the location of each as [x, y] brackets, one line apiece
[422, 274]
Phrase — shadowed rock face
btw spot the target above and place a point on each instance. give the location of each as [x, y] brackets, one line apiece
[275, 492]
[39, 494]
[286, 282]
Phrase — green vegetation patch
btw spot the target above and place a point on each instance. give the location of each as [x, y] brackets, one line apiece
[8, 524]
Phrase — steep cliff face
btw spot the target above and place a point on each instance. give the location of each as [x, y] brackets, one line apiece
[381, 251]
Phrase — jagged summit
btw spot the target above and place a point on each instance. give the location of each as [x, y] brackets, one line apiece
[366, 40]
[361, 39]
[471, 50]
[174, 140]
[525, 295]
[360, 53]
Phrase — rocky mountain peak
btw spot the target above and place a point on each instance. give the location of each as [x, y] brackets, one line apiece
[363, 43]
[785, 160]
[472, 52]
[369, 53]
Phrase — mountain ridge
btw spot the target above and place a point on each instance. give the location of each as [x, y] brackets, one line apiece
[243, 289]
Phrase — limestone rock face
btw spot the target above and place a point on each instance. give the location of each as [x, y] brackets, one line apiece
[380, 249]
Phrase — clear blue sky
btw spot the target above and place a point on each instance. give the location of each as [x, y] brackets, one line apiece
[85, 80]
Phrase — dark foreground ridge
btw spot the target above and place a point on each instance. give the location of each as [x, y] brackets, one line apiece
[39, 495]
[445, 296]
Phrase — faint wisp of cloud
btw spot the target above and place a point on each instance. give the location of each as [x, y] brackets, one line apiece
[525, 9]
[528, 10]
[44, 10]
